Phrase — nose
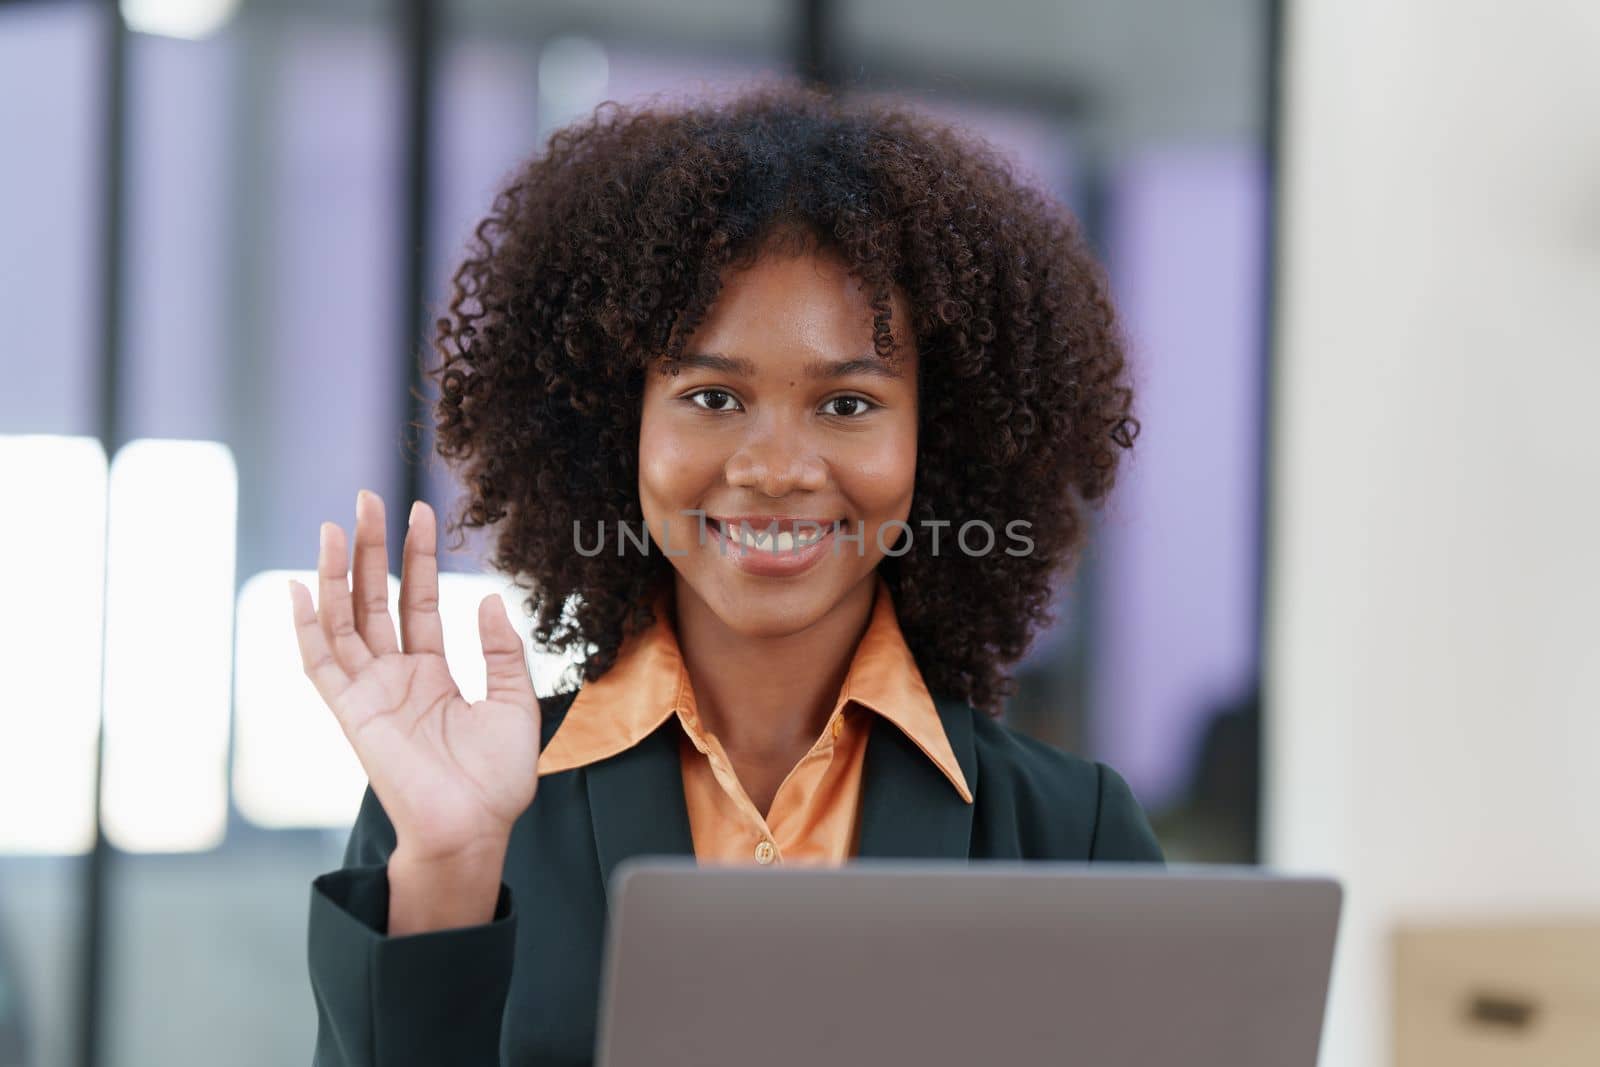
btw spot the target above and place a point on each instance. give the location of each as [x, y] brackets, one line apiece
[775, 462]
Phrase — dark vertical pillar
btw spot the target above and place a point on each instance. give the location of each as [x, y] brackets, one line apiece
[814, 47]
[1272, 143]
[421, 36]
[113, 232]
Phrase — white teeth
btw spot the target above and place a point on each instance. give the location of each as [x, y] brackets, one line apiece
[776, 541]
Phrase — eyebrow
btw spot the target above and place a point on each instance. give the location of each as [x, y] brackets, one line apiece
[817, 368]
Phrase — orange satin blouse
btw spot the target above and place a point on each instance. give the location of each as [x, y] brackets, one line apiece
[813, 815]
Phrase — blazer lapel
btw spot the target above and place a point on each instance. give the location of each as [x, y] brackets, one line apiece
[908, 808]
[636, 802]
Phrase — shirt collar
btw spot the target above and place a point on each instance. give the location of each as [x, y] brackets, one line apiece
[648, 684]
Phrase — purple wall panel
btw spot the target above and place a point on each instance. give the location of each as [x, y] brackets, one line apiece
[1178, 544]
[175, 317]
[50, 207]
[336, 363]
[488, 108]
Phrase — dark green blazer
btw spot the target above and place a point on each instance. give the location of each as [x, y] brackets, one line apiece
[522, 990]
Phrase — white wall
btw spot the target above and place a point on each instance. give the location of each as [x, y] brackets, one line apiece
[1433, 667]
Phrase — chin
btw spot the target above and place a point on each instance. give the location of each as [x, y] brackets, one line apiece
[771, 609]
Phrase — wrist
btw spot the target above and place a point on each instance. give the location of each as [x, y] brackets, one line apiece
[489, 851]
[443, 891]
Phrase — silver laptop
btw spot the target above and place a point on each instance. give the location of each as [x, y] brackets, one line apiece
[957, 965]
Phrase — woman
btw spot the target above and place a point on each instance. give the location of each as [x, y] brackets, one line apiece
[787, 412]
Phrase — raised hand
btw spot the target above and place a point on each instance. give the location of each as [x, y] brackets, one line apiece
[452, 776]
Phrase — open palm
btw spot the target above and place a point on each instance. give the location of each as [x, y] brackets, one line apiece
[451, 776]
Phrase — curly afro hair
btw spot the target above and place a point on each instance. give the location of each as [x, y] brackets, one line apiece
[601, 255]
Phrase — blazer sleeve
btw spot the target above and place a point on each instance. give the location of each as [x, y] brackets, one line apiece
[422, 999]
[1122, 834]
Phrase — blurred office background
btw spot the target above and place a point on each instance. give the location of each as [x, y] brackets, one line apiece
[1359, 278]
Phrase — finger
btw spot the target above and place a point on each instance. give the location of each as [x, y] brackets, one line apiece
[333, 604]
[369, 578]
[316, 658]
[504, 659]
[420, 627]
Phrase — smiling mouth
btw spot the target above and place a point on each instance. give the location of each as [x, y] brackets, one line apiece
[774, 535]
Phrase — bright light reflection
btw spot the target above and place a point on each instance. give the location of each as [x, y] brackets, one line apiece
[187, 19]
[169, 604]
[52, 539]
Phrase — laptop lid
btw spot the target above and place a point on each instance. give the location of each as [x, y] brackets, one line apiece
[947, 964]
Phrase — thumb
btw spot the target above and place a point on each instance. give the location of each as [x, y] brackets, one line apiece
[505, 662]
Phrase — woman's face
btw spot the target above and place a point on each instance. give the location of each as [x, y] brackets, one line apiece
[781, 413]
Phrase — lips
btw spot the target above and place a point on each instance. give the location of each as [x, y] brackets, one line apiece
[773, 546]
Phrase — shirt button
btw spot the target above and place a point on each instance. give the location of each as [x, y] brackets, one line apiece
[838, 727]
[765, 853]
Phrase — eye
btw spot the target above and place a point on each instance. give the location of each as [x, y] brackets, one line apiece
[848, 406]
[715, 400]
